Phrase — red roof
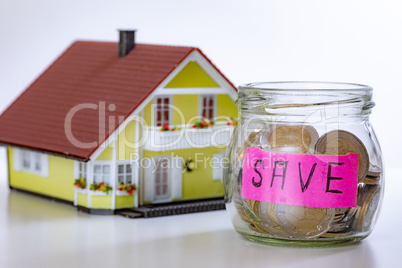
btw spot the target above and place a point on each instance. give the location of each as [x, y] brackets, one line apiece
[87, 72]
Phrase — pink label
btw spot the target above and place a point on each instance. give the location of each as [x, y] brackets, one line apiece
[323, 181]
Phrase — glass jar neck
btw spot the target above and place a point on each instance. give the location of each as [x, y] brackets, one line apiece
[305, 102]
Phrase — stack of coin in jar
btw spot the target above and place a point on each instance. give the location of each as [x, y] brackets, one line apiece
[297, 222]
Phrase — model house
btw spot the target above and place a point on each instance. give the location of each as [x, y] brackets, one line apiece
[121, 125]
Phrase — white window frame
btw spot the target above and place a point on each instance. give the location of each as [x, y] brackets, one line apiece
[125, 173]
[82, 170]
[102, 174]
[201, 105]
[155, 110]
[217, 169]
[31, 161]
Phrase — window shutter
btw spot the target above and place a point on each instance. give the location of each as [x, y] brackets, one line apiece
[45, 165]
[17, 159]
[149, 179]
[177, 178]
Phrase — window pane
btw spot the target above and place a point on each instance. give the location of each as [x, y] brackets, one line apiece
[158, 190]
[166, 116]
[121, 179]
[26, 159]
[38, 162]
[128, 168]
[97, 178]
[158, 115]
[128, 179]
[165, 188]
[105, 178]
[97, 169]
[106, 169]
[120, 169]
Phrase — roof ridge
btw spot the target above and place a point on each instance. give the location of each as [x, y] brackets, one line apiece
[144, 44]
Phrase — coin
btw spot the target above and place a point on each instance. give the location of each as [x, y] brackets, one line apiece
[369, 208]
[371, 180]
[256, 227]
[341, 142]
[340, 226]
[268, 218]
[374, 171]
[336, 235]
[249, 142]
[289, 139]
[304, 222]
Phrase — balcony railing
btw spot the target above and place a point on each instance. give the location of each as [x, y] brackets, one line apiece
[187, 137]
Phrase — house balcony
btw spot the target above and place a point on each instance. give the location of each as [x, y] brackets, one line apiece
[187, 137]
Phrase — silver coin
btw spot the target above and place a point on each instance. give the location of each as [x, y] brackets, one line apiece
[369, 208]
[304, 222]
[268, 220]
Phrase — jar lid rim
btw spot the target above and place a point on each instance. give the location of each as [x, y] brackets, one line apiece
[306, 86]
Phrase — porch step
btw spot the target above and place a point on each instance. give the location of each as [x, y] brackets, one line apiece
[149, 211]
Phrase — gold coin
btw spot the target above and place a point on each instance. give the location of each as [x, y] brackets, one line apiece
[304, 222]
[341, 142]
[374, 171]
[336, 235]
[289, 139]
[371, 199]
[256, 227]
[249, 142]
[371, 180]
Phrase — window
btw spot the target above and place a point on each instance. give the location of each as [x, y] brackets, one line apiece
[124, 174]
[29, 161]
[162, 111]
[162, 179]
[102, 173]
[208, 107]
[82, 170]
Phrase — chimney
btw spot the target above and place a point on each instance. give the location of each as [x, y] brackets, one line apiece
[127, 42]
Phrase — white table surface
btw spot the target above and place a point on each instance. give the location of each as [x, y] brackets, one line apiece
[36, 232]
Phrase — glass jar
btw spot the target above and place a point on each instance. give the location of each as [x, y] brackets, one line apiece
[304, 164]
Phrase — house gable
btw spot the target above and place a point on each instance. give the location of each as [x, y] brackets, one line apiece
[144, 110]
[192, 75]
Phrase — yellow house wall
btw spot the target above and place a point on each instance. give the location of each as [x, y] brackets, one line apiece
[124, 201]
[226, 106]
[197, 184]
[58, 184]
[82, 200]
[101, 201]
[192, 75]
[187, 109]
[126, 142]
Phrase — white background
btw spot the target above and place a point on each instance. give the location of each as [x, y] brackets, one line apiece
[344, 40]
